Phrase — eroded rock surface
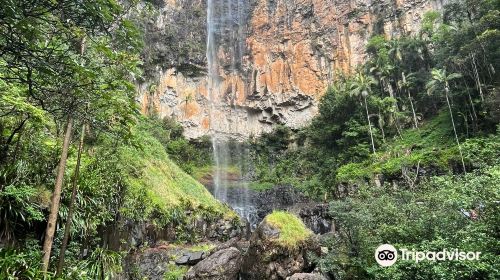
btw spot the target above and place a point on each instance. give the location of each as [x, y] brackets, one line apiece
[152, 264]
[314, 215]
[221, 265]
[291, 52]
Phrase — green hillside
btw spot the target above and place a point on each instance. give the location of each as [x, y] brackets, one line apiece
[155, 183]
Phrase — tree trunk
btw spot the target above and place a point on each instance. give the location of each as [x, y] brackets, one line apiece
[67, 227]
[369, 125]
[4, 152]
[473, 113]
[380, 124]
[413, 110]
[18, 146]
[466, 125]
[390, 89]
[478, 81]
[396, 108]
[56, 196]
[446, 90]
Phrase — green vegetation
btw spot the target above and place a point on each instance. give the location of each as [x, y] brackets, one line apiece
[442, 212]
[193, 156]
[429, 147]
[175, 272]
[261, 186]
[293, 232]
[76, 156]
[405, 109]
[155, 183]
[135, 179]
[405, 150]
[202, 247]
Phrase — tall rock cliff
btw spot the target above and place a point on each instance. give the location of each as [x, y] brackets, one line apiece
[287, 53]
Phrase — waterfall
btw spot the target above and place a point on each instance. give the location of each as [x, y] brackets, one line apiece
[226, 27]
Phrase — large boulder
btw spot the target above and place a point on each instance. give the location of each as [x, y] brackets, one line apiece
[278, 248]
[277, 198]
[315, 216]
[221, 265]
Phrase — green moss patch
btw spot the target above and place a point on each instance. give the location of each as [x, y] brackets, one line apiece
[175, 272]
[293, 232]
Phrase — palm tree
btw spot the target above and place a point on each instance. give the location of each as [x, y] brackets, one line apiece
[405, 84]
[384, 72]
[441, 79]
[362, 85]
[395, 50]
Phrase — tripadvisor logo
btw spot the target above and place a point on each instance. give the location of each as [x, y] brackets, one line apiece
[387, 255]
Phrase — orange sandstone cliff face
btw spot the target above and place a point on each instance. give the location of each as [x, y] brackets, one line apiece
[293, 50]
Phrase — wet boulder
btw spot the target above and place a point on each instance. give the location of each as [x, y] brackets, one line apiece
[190, 258]
[221, 265]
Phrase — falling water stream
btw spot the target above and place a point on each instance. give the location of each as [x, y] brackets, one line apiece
[226, 27]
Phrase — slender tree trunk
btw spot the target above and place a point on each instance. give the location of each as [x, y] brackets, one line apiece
[67, 227]
[18, 146]
[447, 89]
[396, 108]
[473, 113]
[369, 125]
[4, 152]
[380, 124]
[56, 196]
[413, 110]
[466, 125]
[478, 81]
[390, 89]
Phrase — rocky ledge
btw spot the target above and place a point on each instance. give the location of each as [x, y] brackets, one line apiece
[280, 248]
[288, 54]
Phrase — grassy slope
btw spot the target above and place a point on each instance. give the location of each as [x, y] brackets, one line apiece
[292, 230]
[161, 185]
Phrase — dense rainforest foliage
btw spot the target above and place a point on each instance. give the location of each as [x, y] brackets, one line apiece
[70, 126]
[405, 149]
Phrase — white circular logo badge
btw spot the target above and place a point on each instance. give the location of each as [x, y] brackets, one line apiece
[386, 255]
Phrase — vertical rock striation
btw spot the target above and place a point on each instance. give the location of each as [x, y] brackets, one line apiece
[290, 52]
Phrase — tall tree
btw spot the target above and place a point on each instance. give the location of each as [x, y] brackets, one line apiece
[74, 183]
[406, 82]
[56, 197]
[440, 79]
[41, 47]
[362, 85]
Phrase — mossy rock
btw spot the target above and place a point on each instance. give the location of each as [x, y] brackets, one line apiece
[292, 231]
[278, 248]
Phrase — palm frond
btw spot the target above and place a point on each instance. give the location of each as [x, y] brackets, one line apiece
[453, 76]
[431, 86]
